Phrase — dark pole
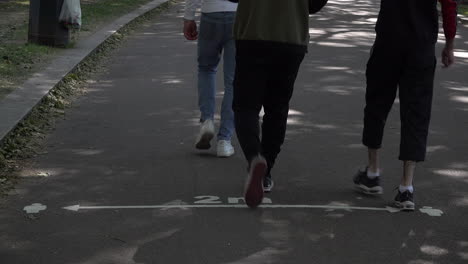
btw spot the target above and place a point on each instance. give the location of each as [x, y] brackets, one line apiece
[44, 26]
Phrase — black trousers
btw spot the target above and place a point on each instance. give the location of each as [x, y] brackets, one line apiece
[410, 70]
[265, 76]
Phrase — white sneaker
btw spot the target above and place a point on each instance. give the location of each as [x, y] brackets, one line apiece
[224, 149]
[205, 135]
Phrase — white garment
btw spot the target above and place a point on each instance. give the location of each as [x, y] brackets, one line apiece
[208, 6]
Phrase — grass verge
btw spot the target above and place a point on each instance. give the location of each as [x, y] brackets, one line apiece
[463, 9]
[26, 140]
[95, 13]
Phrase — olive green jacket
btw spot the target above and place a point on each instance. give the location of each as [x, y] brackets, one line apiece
[279, 21]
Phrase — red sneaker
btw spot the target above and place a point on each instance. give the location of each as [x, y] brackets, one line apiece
[254, 186]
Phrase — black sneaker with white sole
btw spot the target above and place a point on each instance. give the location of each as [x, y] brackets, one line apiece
[267, 183]
[367, 185]
[405, 200]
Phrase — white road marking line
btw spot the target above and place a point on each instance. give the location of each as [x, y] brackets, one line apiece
[34, 208]
[425, 210]
[431, 211]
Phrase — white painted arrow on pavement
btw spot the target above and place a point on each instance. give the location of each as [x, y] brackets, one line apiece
[426, 210]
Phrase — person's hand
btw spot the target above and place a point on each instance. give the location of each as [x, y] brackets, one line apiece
[190, 30]
[447, 54]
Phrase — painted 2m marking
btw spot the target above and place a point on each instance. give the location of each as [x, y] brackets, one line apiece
[210, 199]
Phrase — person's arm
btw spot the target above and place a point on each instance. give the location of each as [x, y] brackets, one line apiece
[449, 17]
[190, 26]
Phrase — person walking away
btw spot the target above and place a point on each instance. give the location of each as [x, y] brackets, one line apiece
[271, 41]
[403, 58]
[214, 41]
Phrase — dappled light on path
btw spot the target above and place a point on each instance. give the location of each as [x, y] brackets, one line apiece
[129, 141]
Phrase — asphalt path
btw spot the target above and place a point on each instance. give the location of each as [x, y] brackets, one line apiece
[124, 153]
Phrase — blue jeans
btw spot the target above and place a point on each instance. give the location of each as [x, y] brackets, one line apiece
[216, 37]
